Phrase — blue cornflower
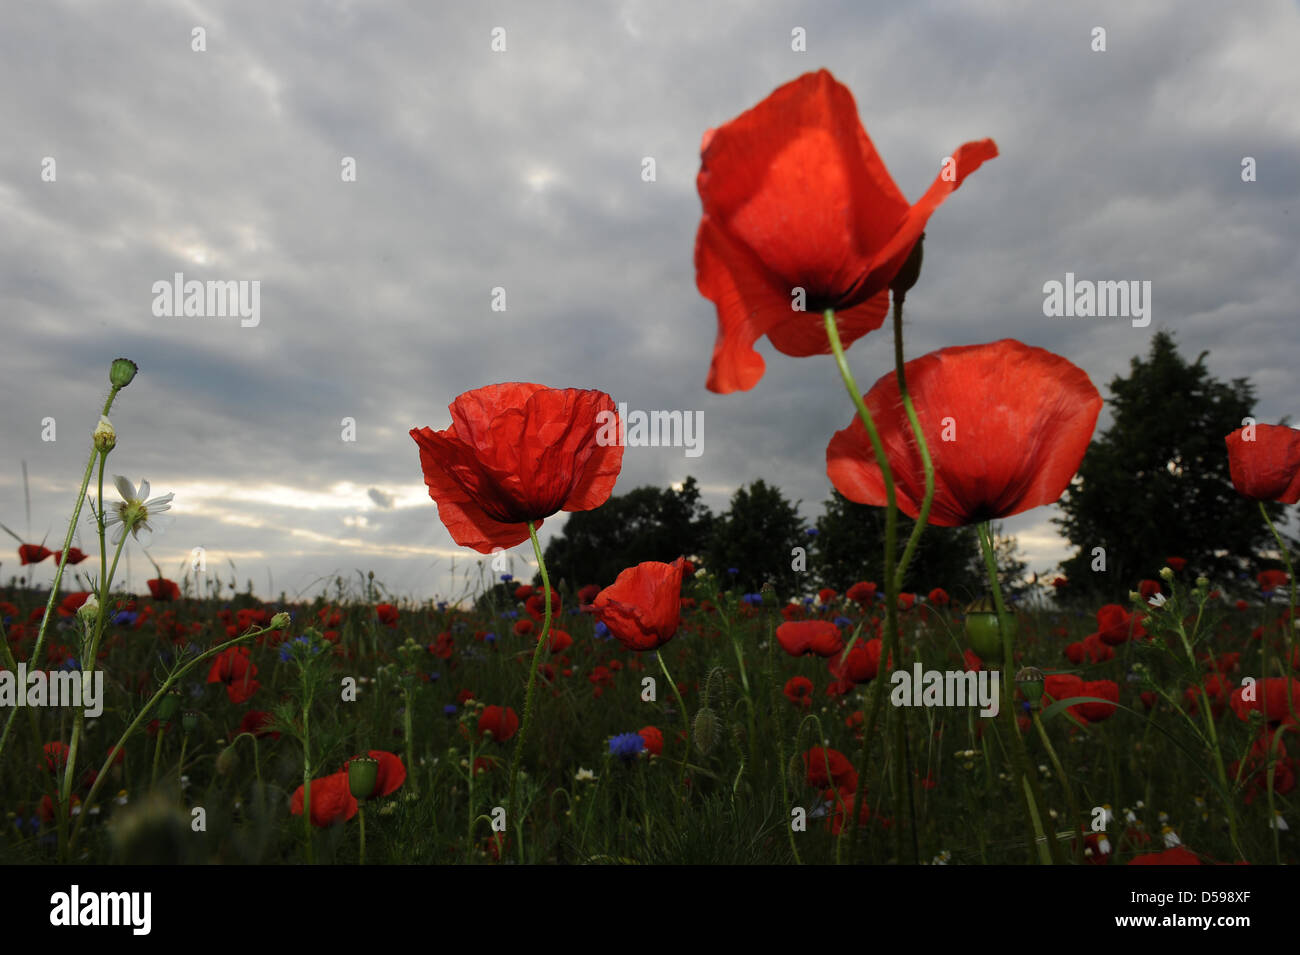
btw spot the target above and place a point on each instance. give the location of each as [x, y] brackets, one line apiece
[626, 746]
[450, 709]
[807, 601]
[811, 531]
[70, 664]
[506, 578]
[124, 618]
[754, 600]
[602, 631]
[510, 614]
[489, 638]
[843, 622]
[733, 570]
[435, 677]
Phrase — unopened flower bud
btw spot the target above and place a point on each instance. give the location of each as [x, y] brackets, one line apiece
[189, 721]
[121, 372]
[1167, 573]
[1202, 583]
[104, 436]
[89, 610]
[363, 772]
[280, 621]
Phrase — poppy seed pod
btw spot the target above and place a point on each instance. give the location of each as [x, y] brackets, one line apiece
[984, 630]
[167, 706]
[1031, 681]
[189, 721]
[121, 372]
[362, 775]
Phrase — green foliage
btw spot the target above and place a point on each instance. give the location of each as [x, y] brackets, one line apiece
[646, 523]
[1156, 483]
[756, 536]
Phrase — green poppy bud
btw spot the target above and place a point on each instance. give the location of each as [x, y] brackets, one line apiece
[706, 732]
[1030, 680]
[984, 631]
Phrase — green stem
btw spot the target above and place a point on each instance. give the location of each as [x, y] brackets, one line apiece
[686, 722]
[511, 818]
[922, 446]
[890, 643]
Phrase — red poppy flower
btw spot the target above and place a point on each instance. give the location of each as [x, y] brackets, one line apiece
[1175, 563]
[1114, 624]
[820, 637]
[331, 800]
[1006, 425]
[56, 755]
[654, 739]
[70, 604]
[938, 597]
[827, 768]
[1272, 579]
[387, 614]
[1268, 467]
[523, 628]
[642, 608]
[559, 641]
[258, 722]
[75, 555]
[32, 553]
[163, 589]
[1269, 698]
[906, 601]
[1106, 690]
[843, 812]
[1175, 856]
[1148, 588]
[388, 779]
[826, 595]
[536, 605]
[795, 196]
[588, 593]
[860, 665]
[501, 722]
[233, 668]
[863, 592]
[517, 453]
[523, 591]
[799, 691]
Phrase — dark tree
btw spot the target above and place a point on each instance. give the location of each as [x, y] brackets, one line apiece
[1156, 484]
[849, 546]
[646, 523]
[757, 536]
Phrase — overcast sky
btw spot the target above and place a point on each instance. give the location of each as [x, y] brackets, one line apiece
[521, 169]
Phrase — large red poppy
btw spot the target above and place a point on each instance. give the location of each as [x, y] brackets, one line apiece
[642, 608]
[1006, 425]
[795, 196]
[1266, 468]
[517, 453]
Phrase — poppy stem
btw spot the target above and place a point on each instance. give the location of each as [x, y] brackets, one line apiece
[1025, 780]
[1290, 660]
[686, 722]
[889, 651]
[532, 684]
[923, 516]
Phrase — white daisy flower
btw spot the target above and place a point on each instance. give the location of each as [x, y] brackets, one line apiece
[135, 512]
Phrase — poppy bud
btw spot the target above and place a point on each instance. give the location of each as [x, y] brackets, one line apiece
[227, 761]
[706, 731]
[280, 621]
[121, 372]
[715, 689]
[104, 436]
[189, 721]
[362, 775]
[908, 274]
[1030, 680]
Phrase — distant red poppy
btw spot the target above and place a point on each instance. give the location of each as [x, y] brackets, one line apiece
[56, 755]
[1175, 856]
[163, 589]
[588, 593]
[1114, 624]
[796, 197]
[799, 691]
[536, 605]
[820, 637]
[523, 628]
[829, 768]
[517, 453]
[501, 722]
[559, 641]
[863, 592]
[860, 665]
[938, 597]
[1272, 579]
[1006, 425]
[654, 739]
[826, 595]
[32, 553]
[387, 614]
[1175, 563]
[906, 601]
[70, 604]
[75, 555]
[1268, 697]
[1148, 588]
[258, 722]
[1266, 468]
[1106, 690]
[331, 800]
[233, 668]
[642, 608]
